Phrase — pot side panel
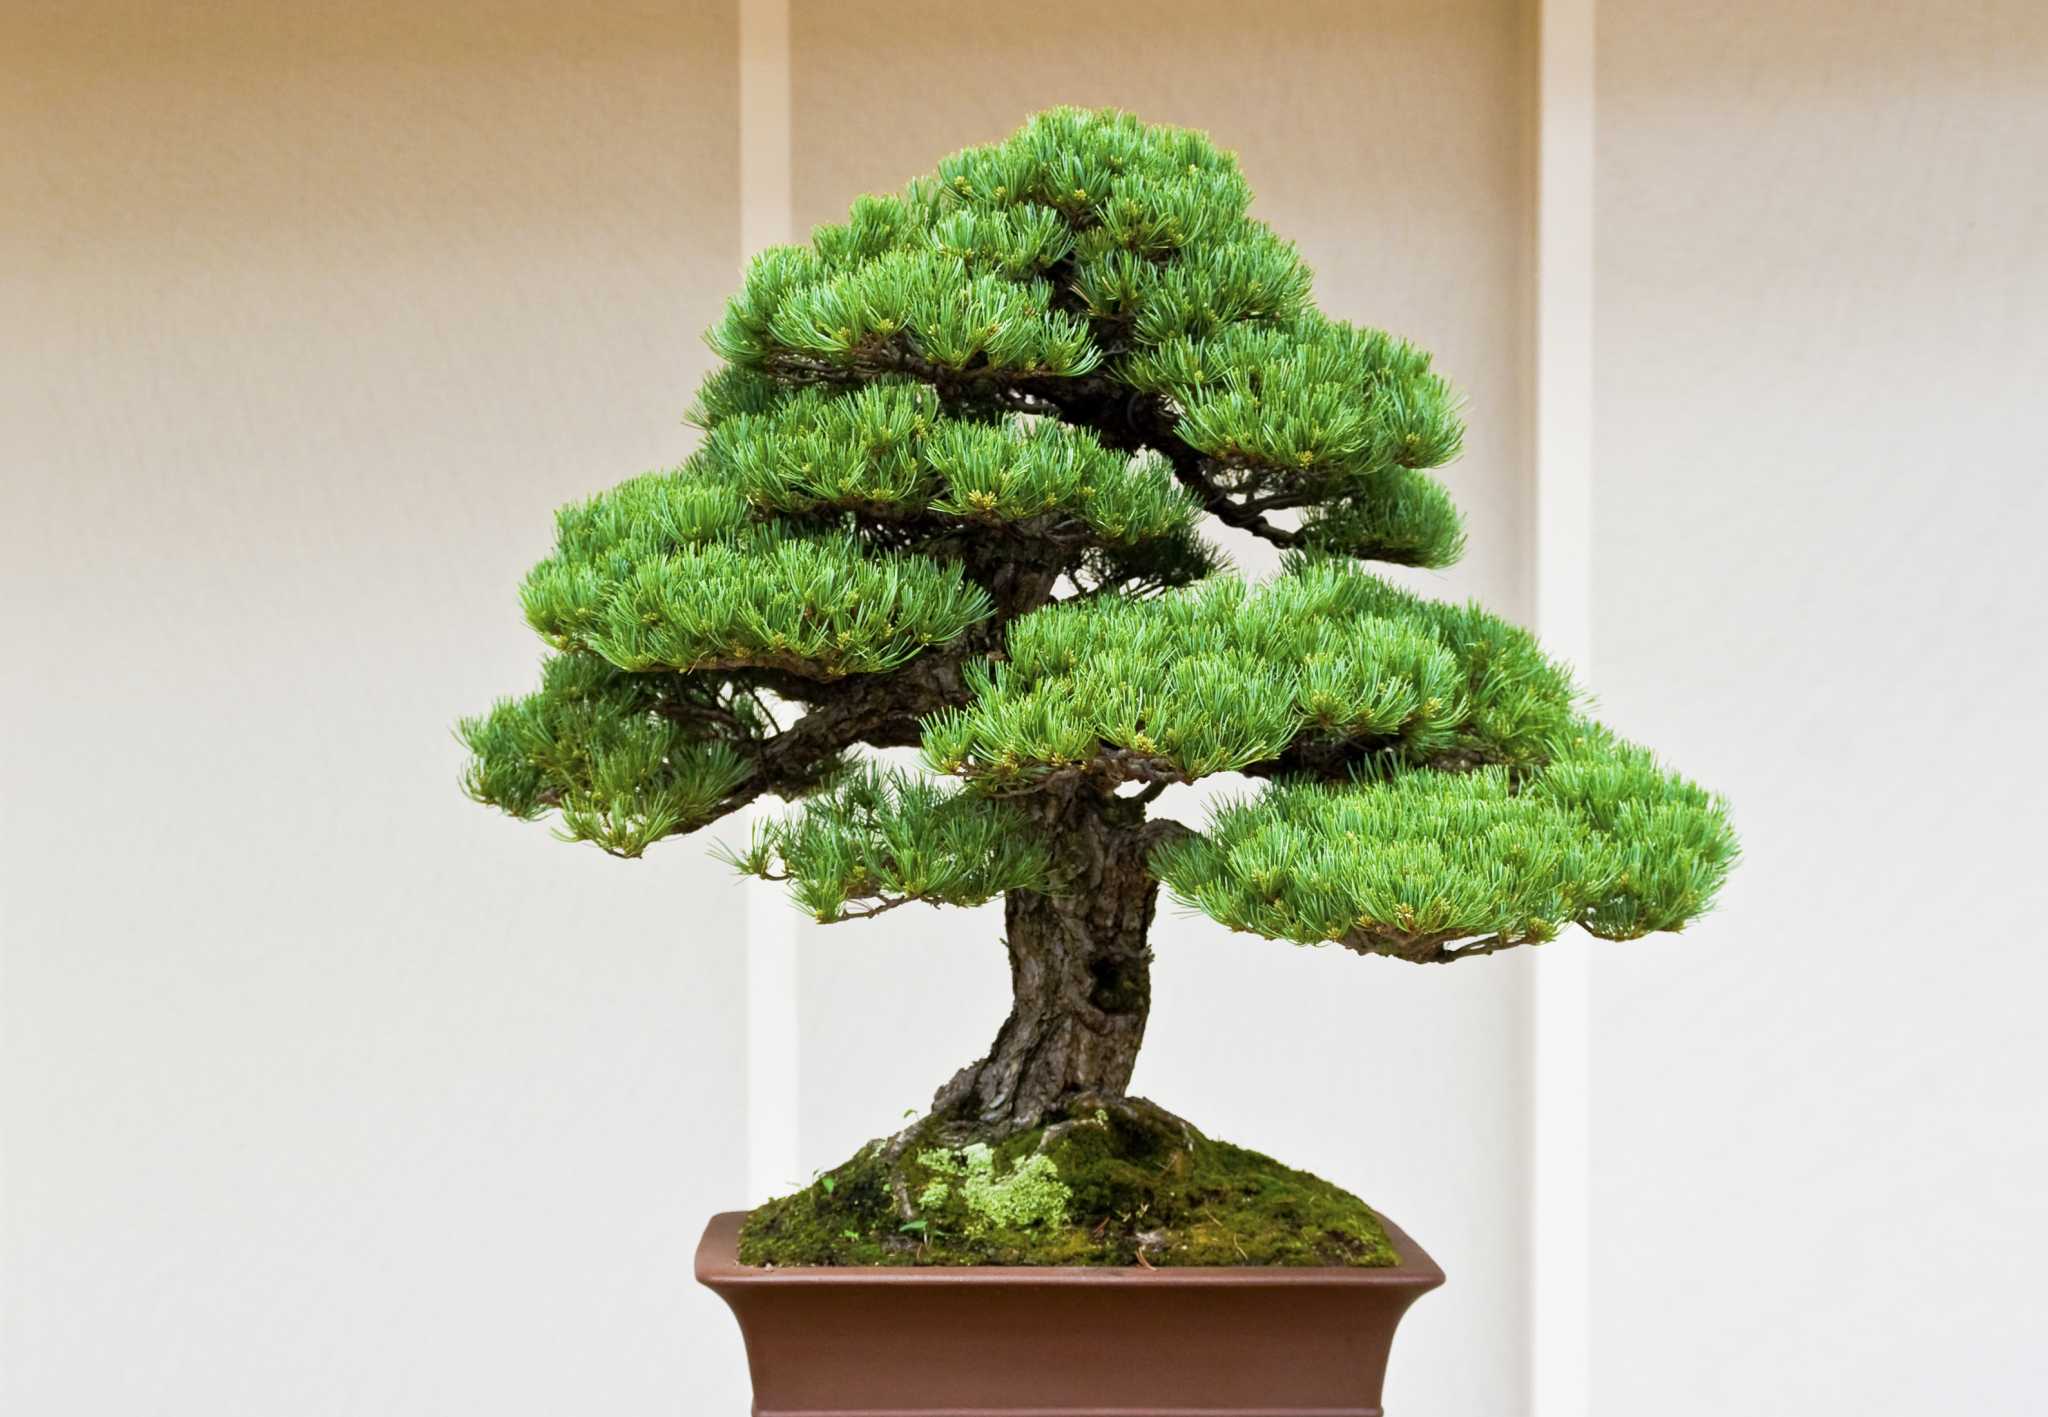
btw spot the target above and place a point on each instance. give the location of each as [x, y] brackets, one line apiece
[1060, 1344]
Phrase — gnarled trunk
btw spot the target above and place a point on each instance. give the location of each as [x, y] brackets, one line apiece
[1080, 975]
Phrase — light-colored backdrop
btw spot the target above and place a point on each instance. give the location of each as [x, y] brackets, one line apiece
[1393, 144]
[1819, 1136]
[327, 1092]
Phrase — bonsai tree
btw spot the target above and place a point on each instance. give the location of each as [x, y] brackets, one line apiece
[950, 495]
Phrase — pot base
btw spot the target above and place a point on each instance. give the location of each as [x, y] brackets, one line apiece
[1064, 1342]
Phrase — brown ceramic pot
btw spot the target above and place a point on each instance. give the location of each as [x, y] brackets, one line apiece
[1063, 1342]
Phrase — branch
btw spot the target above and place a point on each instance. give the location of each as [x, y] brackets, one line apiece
[1434, 947]
[1106, 771]
[1134, 421]
[882, 903]
[1162, 830]
[879, 710]
[1324, 755]
[1191, 471]
[1283, 501]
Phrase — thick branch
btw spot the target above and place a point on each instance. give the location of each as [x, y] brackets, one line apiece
[1136, 421]
[1192, 474]
[1105, 772]
[879, 710]
[1327, 756]
[1161, 830]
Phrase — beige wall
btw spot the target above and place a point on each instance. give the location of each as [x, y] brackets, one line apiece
[1822, 470]
[1393, 142]
[314, 313]
[325, 1091]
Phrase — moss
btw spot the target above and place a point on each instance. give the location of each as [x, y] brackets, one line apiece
[1024, 1195]
[1099, 1186]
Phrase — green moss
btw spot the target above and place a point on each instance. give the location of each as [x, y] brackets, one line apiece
[1025, 1195]
[1097, 1187]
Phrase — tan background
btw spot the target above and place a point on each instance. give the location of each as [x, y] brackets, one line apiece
[1819, 1133]
[326, 1092]
[1393, 143]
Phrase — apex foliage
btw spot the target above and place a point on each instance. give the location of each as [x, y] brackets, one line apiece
[950, 494]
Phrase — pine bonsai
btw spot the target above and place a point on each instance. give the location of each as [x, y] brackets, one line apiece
[950, 495]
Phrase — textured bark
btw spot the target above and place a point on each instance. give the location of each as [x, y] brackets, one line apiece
[1080, 975]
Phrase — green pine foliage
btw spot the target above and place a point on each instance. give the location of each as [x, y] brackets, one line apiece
[1222, 677]
[816, 606]
[610, 752]
[952, 491]
[878, 839]
[1404, 862]
[1342, 419]
[885, 452]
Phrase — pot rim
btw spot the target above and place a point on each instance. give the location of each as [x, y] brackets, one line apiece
[718, 1266]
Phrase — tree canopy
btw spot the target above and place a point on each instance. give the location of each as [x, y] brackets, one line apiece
[951, 493]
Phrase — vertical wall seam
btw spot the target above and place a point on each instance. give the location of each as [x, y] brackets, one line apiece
[767, 218]
[1560, 1148]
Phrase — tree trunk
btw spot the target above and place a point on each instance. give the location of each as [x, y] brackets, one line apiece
[1080, 975]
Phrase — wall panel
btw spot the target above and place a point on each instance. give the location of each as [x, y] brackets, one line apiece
[1822, 293]
[328, 1092]
[1393, 142]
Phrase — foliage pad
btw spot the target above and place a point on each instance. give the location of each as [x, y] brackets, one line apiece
[1408, 862]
